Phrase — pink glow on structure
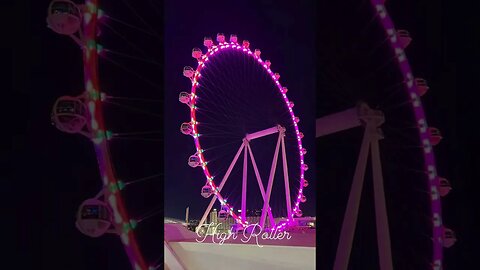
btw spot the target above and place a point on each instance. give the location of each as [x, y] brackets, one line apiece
[414, 93]
[245, 49]
[92, 85]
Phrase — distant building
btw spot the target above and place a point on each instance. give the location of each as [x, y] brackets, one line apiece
[214, 216]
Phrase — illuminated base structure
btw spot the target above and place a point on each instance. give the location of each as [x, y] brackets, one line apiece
[184, 249]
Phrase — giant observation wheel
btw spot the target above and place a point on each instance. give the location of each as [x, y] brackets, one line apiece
[237, 104]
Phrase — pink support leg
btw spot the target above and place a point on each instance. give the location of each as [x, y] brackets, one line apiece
[350, 220]
[383, 235]
[244, 182]
[227, 174]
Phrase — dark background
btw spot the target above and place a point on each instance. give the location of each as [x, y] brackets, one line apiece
[441, 52]
[47, 183]
[54, 172]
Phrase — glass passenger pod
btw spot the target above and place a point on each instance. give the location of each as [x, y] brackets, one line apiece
[305, 183]
[186, 128]
[208, 42]
[422, 86]
[305, 167]
[184, 97]
[194, 161]
[449, 237]
[220, 38]
[69, 114]
[207, 191]
[188, 72]
[94, 218]
[233, 38]
[434, 135]
[404, 38]
[445, 187]
[197, 53]
[223, 214]
[64, 17]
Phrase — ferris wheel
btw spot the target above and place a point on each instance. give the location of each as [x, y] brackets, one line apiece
[121, 122]
[237, 104]
[372, 86]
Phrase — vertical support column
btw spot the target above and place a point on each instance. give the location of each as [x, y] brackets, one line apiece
[286, 179]
[260, 184]
[350, 220]
[244, 181]
[227, 174]
[266, 201]
[383, 235]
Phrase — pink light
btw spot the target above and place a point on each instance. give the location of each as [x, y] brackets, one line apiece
[282, 90]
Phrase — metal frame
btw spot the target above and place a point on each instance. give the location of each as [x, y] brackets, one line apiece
[247, 151]
[371, 120]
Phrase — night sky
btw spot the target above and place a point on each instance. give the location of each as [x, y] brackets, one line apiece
[359, 66]
[54, 172]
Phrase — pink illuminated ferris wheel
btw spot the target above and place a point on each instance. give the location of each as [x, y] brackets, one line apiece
[237, 100]
[127, 152]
